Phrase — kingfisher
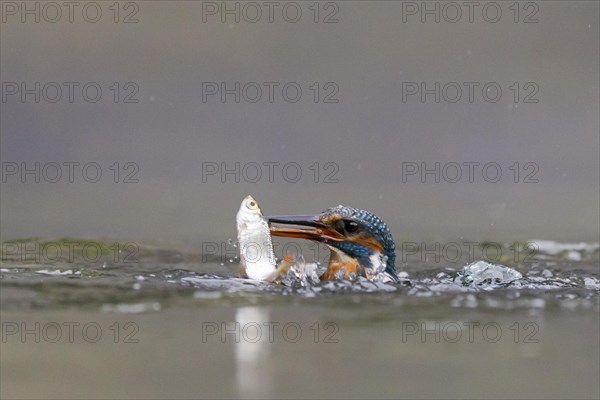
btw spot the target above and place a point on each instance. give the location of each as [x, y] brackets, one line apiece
[360, 243]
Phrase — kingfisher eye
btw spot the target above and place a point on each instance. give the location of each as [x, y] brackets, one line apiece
[350, 226]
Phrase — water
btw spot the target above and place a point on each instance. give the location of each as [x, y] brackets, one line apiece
[172, 324]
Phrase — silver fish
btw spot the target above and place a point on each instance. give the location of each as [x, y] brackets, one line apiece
[256, 249]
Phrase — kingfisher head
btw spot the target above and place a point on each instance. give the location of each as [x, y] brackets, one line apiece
[359, 241]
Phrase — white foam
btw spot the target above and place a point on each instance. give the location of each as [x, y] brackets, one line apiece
[57, 272]
[552, 247]
[135, 308]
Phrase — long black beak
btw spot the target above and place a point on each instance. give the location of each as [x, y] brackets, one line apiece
[306, 227]
[304, 220]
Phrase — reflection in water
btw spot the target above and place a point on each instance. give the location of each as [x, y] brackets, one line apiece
[252, 350]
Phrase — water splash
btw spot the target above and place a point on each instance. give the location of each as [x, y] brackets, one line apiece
[484, 273]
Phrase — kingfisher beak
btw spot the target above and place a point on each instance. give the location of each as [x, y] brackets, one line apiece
[305, 227]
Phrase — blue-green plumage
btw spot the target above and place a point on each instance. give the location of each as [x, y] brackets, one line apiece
[375, 227]
[360, 241]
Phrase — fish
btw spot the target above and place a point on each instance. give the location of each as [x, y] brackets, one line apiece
[257, 259]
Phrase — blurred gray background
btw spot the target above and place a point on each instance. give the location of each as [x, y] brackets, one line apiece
[369, 133]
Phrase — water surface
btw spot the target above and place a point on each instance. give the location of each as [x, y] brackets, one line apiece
[172, 324]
